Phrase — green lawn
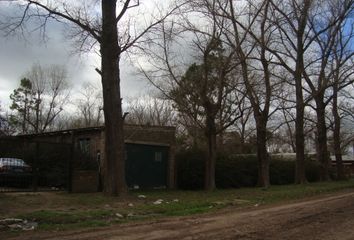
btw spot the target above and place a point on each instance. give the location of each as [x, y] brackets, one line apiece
[59, 211]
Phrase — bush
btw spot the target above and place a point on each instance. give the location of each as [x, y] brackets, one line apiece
[236, 171]
[312, 170]
[190, 169]
[281, 172]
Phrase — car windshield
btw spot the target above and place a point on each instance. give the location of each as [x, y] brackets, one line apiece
[12, 162]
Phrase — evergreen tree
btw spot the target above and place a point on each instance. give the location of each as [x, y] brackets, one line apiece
[22, 102]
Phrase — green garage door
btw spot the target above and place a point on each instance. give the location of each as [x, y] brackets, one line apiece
[146, 165]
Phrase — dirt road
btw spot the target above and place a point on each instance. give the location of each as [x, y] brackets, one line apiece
[328, 218]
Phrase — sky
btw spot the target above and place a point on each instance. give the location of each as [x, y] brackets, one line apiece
[18, 54]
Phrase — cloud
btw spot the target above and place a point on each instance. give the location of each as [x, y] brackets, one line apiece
[18, 54]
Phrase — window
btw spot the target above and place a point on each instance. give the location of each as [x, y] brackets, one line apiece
[158, 156]
[84, 145]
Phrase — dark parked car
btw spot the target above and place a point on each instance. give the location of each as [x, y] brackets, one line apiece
[15, 172]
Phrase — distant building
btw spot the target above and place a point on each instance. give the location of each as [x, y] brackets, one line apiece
[348, 163]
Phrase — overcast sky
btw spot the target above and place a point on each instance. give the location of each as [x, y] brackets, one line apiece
[18, 55]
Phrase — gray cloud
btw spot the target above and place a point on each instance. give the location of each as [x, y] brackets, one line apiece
[17, 55]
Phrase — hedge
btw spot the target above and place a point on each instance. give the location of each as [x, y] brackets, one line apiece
[236, 171]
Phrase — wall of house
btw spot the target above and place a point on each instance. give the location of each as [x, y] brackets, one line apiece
[84, 181]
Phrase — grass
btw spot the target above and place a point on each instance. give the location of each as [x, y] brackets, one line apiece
[57, 220]
[62, 211]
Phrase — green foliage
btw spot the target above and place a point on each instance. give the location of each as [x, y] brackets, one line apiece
[234, 171]
[190, 169]
[282, 172]
[312, 170]
[64, 220]
[206, 88]
[22, 95]
[22, 102]
[60, 217]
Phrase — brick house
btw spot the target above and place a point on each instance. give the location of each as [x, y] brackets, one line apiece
[150, 152]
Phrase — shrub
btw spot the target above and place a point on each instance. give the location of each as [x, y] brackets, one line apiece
[190, 169]
[312, 170]
[281, 171]
[236, 171]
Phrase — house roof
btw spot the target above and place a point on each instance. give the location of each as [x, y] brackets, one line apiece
[97, 128]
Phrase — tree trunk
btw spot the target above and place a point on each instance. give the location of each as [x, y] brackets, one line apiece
[262, 153]
[209, 182]
[336, 136]
[37, 115]
[114, 165]
[24, 117]
[322, 154]
[300, 177]
[242, 138]
[220, 142]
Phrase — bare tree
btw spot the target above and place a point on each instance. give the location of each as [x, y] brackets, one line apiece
[4, 122]
[327, 19]
[150, 111]
[51, 94]
[101, 23]
[242, 125]
[250, 37]
[300, 25]
[342, 77]
[288, 117]
[290, 19]
[90, 106]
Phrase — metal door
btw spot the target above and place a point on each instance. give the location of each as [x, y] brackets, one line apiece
[146, 166]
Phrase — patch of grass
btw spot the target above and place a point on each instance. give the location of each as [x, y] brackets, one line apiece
[63, 211]
[62, 220]
[294, 192]
[75, 225]
[191, 202]
[61, 217]
[174, 209]
[89, 200]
